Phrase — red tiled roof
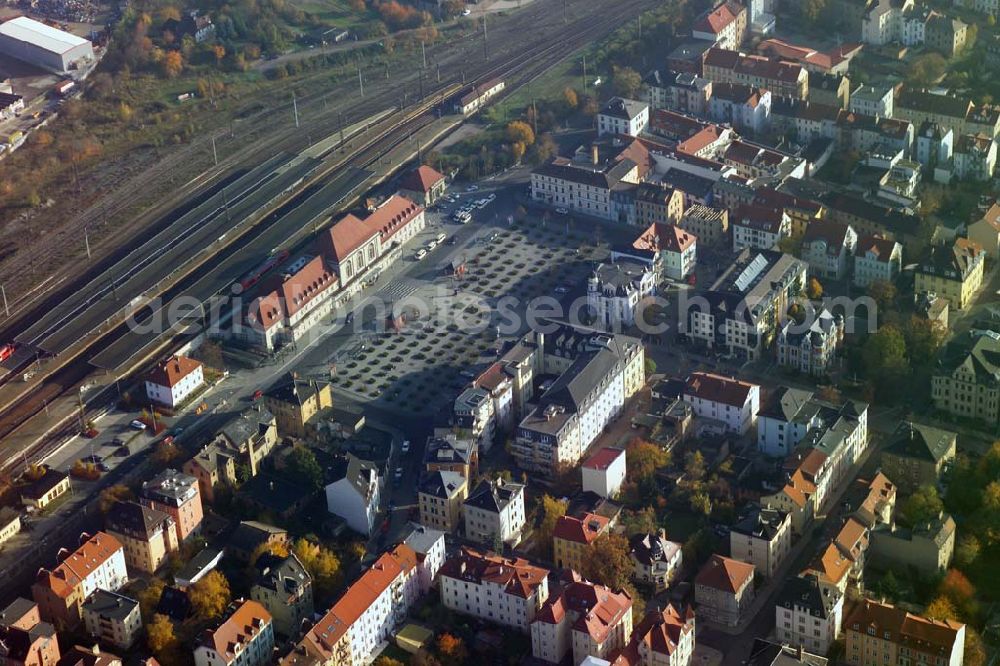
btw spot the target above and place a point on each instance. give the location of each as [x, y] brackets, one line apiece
[662, 631]
[309, 282]
[580, 530]
[933, 637]
[833, 233]
[421, 179]
[393, 215]
[603, 458]
[238, 630]
[172, 371]
[725, 574]
[716, 388]
[517, 576]
[701, 140]
[760, 217]
[597, 609]
[718, 19]
[492, 377]
[347, 235]
[90, 556]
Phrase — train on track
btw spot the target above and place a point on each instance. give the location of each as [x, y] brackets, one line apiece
[254, 276]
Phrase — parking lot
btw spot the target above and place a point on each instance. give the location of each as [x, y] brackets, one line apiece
[450, 327]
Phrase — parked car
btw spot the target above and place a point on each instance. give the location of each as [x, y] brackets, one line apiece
[398, 475]
[103, 468]
[472, 188]
[93, 459]
[136, 424]
[405, 448]
[561, 210]
[91, 433]
[420, 254]
[257, 395]
[562, 289]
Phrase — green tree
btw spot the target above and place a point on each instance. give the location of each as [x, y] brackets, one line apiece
[812, 10]
[923, 506]
[626, 81]
[643, 521]
[923, 339]
[694, 466]
[967, 551]
[884, 357]
[303, 466]
[883, 293]
[701, 503]
[609, 562]
[926, 70]
[149, 598]
[650, 366]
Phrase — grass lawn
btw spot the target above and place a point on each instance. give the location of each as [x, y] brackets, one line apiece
[548, 86]
[335, 13]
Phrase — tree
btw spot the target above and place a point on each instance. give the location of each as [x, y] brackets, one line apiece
[643, 521]
[650, 366]
[975, 650]
[644, 458]
[991, 496]
[926, 70]
[609, 562]
[552, 510]
[173, 64]
[625, 81]
[112, 494]
[210, 596]
[694, 466]
[957, 589]
[812, 10]
[149, 598]
[570, 98]
[884, 355]
[923, 339]
[967, 551]
[520, 131]
[321, 563]
[517, 150]
[941, 609]
[451, 649]
[814, 289]
[276, 548]
[883, 293]
[923, 506]
[160, 635]
[164, 454]
[302, 465]
[701, 503]
[387, 661]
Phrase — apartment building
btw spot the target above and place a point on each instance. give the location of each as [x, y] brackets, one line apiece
[249, 437]
[916, 455]
[285, 589]
[440, 496]
[495, 511]
[112, 619]
[796, 498]
[953, 272]
[974, 157]
[504, 591]
[177, 495]
[811, 347]
[927, 548]
[214, 465]
[708, 225]
[663, 638]
[879, 634]
[41, 492]
[449, 453]
[760, 227]
[723, 589]
[356, 493]
[30, 642]
[783, 79]
[597, 373]
[98, 564]
[828, 247]
[591, 620]
[809, 613]
[873, 101]
[623, 116]
[731, 402]
[615, 290]
[656, 203]
[573, 539]
[296, 402]
[583, 187]
[741, 310]
[746, 108]
[486, 408]
[365, 616]
[671, 251]
[762, 538]
[244, 638]
[784, 419]
[683, 92]
[986, 231]
[429, 546]
[966, 382]
[725, 25]
[147, 535]
[876, 260]
[173, 380]
[655, 560]
[604, 472]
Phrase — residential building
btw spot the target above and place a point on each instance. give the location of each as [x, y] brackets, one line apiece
[474, 413]
[757, 163]
[944, 34]
[783, 421]
[883, 22]
[870, 218]
[683, 92]
[746, 108]
[245, 638]
[497, 388]
[662, 638]
[974, 157]
[586, 187]
[766, 653]
[43, 491]
[249, 436]
[504, 591]
[356, 493]
[494, 512]
[655, 560]
[604, 472]
[876, 260]
[199, 566]
[760, 227]
[615, 290]
[440, 496]
[112, 619]
[623, 116]
[723, 589]
[573, 538]
[34, 645]
[762, 538]
[927, 548]
[797, 498]
[953, 272]
[98, 564]
[424, 185]
[295, 402]
[811, 347]
[656, 203]
[741, 310]
[429, 546]
[881, 634]
[783, 79]
[920, 106]
[966, 382]
[365, 616]
[709, 225]
[92, 655]
[725, 25]
[285, 589]
[916, 454]
[808, 613]
[448, 453]
[879, 504]
[589, 620]
[934, 146]
[836, 61]
[11, 105]
[10, 524]
[872, 101]
[828, 247]
[214, 465]
[174, 380]
[986, 231]
[147, 535]
[251, 534]
[671, 251]
[597, 373]
[728, 401]
[176, 495]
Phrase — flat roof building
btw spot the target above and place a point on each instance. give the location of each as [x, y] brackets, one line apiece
[42, 45]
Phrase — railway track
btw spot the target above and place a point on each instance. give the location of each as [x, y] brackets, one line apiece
[516, 65]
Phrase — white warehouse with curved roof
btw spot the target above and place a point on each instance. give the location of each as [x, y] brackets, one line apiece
[41, 45]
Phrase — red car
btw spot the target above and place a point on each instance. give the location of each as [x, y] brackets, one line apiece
[257, 395]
